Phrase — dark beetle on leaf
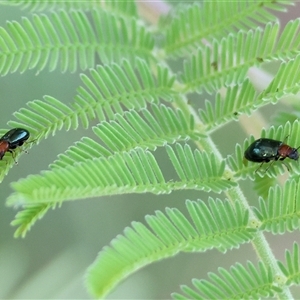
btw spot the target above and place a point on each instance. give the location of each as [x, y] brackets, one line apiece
[265, 150]
[13, 139]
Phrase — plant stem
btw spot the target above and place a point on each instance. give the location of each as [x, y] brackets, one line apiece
[260, 244]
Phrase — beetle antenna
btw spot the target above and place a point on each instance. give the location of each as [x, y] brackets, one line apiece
[285, 139]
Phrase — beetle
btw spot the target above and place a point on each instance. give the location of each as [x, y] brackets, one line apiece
[265, 150]
[13, 139]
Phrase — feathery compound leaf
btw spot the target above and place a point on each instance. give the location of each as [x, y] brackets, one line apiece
[27, 217]
[291, 271]
[85, 149]
[221, 225]
[34, 5]
[280, 212]
[147, 130]
[71, 38]
[153, 128]
[115, 6]
[111, 86]
[129, 172]
[238, 100]
[133, 172]
[227, 61]
[282, 116]
[263, 184]
[286, 81]
[236, 163]
[45, 117]
[126, 39]
[238, 283]
[199, 170]
[197, 22]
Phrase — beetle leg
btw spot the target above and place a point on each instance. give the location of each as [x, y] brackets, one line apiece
[270, 165]
[283, 158]
[286, 166]
[259, 167]
[13, 156]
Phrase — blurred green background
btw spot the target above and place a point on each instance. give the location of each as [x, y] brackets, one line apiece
[50, 262]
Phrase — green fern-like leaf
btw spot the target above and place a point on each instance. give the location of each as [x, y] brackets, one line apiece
[170, 233]
[243, 99]
[126, 8]
[129, 172]
[280, 211]
[111, 86]
[133, 172]
[71, 38]
[198, 170]
[238, 100]
[45, 117]
[283, 116]
[85, 149]
[204, 216]
[263, 184]
[194, 23]
[291, 270]
[148, 130]
[125, 94]
[285, 82]
[227, 61]
[236, 163]
[103, 93]
[48, 5]
[238, 283]
[28, 216]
